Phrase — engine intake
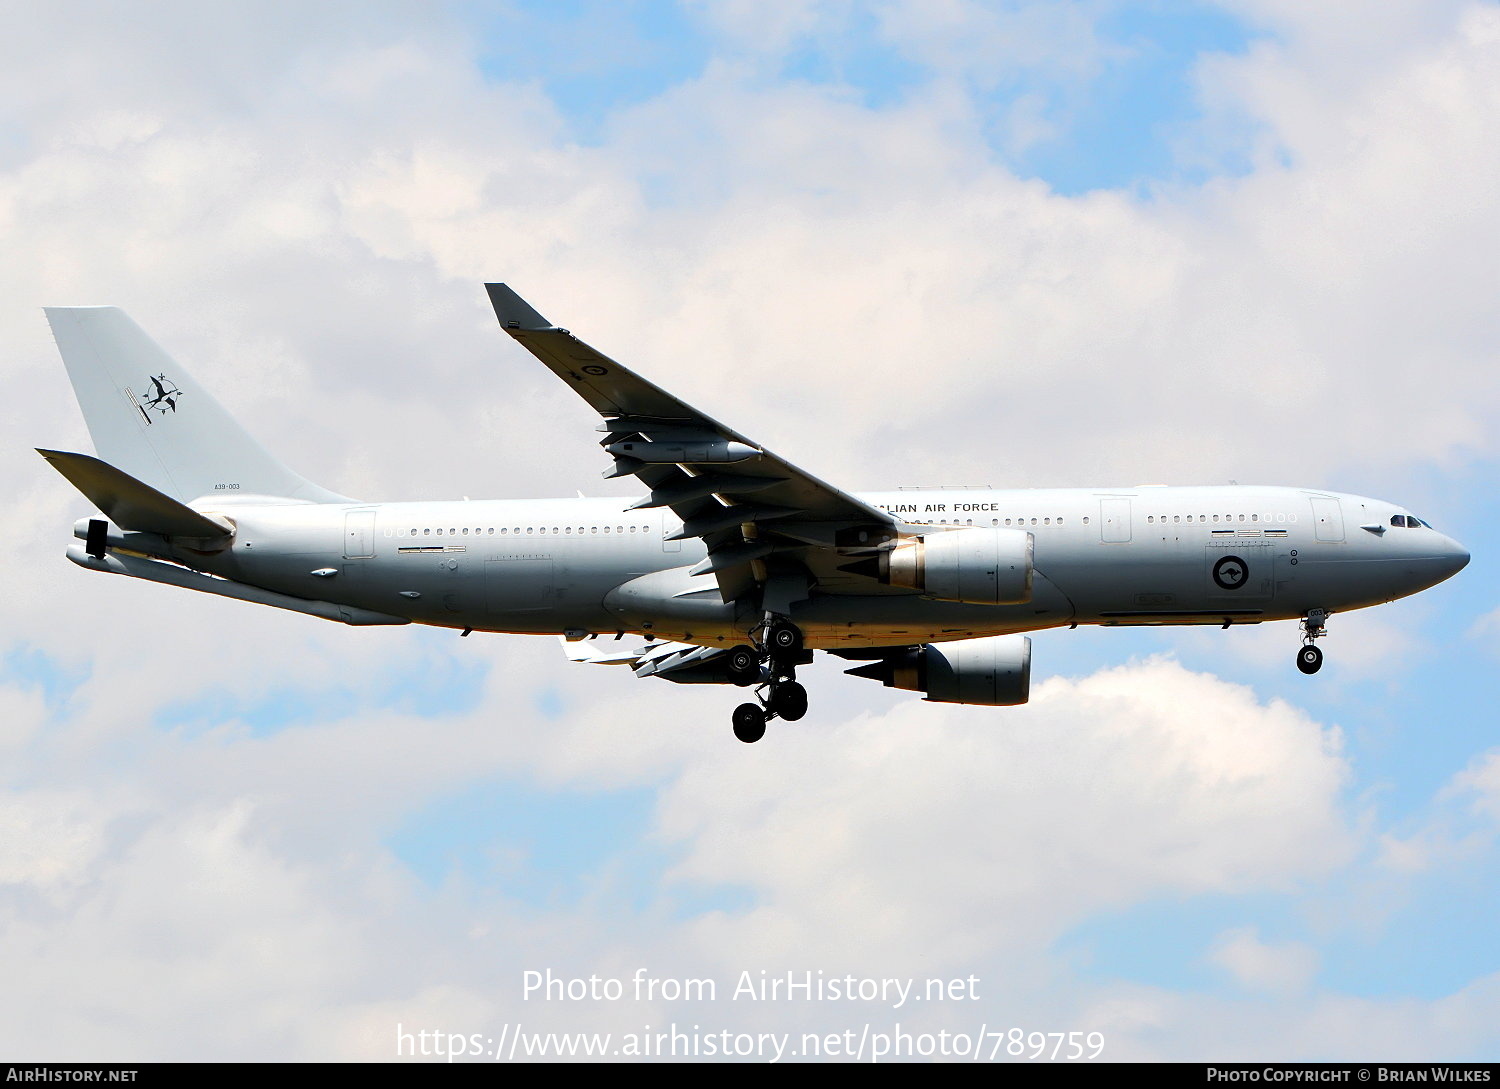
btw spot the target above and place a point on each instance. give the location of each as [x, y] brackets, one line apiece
[993, 672]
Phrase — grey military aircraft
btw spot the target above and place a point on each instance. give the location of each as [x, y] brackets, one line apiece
[734, 567]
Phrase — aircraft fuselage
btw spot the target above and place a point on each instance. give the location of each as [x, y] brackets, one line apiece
[1143, 555]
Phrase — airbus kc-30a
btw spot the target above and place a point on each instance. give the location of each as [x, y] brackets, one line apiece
[735, 565]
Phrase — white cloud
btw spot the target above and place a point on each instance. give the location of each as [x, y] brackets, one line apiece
[1264, 966]
[22, 714]
[1149, 1024]
[1139, 781]
[1458, 830]
[1480, 782]
[991, 45]
[46, 839]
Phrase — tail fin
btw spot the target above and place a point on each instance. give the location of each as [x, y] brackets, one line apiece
[150, 418]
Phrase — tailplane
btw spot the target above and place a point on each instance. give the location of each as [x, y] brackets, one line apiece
[132, 505]
[151, 420]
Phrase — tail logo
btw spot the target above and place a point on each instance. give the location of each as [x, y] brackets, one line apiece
[163, 397]
[164, 394]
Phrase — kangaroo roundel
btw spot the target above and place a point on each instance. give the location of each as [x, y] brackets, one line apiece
[1231, 572]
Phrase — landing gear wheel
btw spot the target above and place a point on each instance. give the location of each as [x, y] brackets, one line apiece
[788, 700]
[744, 665]
[749, 723]
[784, 638]
[1309, 659]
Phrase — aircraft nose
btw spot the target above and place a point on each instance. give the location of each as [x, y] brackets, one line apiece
[1452, 558]
[1432, 559]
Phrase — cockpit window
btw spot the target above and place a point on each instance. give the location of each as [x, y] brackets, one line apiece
[1398, 520]
[1407, 521]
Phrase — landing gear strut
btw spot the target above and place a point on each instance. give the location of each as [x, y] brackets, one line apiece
[1310, 658]
[774, 658]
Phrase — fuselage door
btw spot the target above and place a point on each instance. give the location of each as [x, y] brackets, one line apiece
[1328, 519]
[359, 535]
[1114, 520]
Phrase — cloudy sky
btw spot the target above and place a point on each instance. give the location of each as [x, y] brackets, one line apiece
[947, 242]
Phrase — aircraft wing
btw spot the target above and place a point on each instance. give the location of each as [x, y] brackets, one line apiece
[770, 528]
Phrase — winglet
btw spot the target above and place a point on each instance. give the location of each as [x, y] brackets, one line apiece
[514, 312]
[132, 505]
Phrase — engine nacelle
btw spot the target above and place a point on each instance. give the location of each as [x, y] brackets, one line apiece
[993, 672]
[979, 566]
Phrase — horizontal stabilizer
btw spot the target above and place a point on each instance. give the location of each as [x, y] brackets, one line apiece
[132, 505]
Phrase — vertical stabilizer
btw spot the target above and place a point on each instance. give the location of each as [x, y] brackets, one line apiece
[150, 419]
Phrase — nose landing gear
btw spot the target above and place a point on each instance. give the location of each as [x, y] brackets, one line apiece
[780, 649]
[1310, 658]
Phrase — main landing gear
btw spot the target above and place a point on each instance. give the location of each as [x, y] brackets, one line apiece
[772, 662]
[1310, 658]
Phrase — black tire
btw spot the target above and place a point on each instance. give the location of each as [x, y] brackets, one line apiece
[789, 701]
[1309, 659]
[743, 664]
[749, 723]
[784, 639]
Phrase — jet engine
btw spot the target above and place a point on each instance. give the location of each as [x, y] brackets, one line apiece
[979, 566]
[994, 672]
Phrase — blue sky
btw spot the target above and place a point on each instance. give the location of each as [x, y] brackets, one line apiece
[1024, 244]
[1116, 124]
